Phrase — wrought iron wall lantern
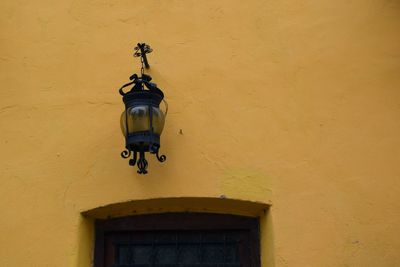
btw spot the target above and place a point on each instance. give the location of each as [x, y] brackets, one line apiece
[143, 120]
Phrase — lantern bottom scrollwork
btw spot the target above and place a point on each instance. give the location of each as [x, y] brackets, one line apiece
[141, 163]
[161, 158]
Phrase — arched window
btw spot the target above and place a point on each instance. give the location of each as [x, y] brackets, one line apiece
[178, 239]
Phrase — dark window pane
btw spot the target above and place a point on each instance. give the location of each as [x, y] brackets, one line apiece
[166, 254]
[125, 255]
[189, 254]
[233, 237]
[231, 254]
[213, 253]
[134, 254]
[142, 254]
[180, 247]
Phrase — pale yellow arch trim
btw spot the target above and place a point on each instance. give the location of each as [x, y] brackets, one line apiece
[179, 204]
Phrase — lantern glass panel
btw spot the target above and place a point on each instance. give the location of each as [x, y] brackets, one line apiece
[158, 120]
[139, 120]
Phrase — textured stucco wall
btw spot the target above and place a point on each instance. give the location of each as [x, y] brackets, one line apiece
[291, 102]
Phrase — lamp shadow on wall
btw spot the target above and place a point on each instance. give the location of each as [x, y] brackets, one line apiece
[181, 204]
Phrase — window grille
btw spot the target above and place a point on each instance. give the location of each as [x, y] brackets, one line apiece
[178, 240]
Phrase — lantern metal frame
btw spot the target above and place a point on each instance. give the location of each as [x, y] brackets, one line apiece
[143, 93]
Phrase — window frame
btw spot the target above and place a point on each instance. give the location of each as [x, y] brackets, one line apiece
[178, 221]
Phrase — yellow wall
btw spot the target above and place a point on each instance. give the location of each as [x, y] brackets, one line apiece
[294, 103]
